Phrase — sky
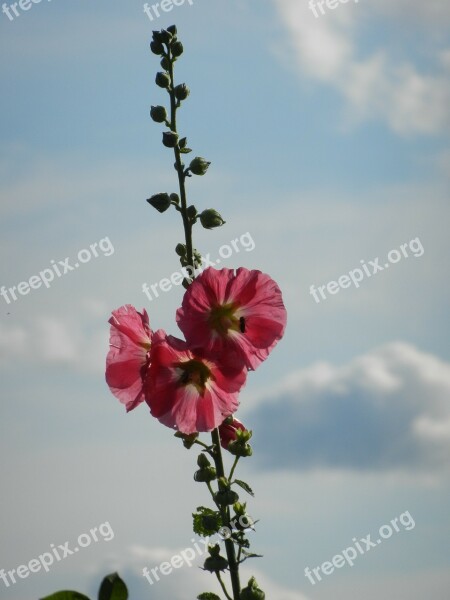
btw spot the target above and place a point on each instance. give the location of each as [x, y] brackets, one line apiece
[328, 135]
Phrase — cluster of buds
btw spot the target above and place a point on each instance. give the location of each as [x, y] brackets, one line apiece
[240, 446]
[165, 43]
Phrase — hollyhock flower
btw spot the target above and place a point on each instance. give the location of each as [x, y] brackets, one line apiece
[238, 316]
[228, 431]
[129, 355]
[186, 391]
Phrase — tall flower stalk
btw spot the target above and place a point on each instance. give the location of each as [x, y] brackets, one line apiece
[221, 318]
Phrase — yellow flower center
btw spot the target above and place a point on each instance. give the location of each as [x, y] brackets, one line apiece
[224, 317]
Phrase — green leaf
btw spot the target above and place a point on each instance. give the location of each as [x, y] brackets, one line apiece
[208, 596]
[113, 588]
[244, 486]
[206, 521]
[251, 554]
[66, 595]
[185, 150]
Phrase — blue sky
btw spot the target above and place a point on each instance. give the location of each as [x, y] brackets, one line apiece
[328, 139]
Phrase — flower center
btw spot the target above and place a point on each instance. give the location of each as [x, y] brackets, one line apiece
[194, 372]
[223, 317]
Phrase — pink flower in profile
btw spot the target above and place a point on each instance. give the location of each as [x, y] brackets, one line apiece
[188, 392]
[228, 431]
[238, 316]
[129, 355]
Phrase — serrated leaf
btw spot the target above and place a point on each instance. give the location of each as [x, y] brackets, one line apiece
[244, 486]
[66, 595]
[113, 588]
[201, 517]
[185, 150]
[208, 596]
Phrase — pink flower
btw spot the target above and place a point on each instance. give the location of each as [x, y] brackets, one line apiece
[239, 317]
[129, 355]
[228, 432]
[186, 391]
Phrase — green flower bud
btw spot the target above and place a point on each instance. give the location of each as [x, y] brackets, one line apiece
[205, 475]
[199, 166]
[181, 91]
[226, 497]
[157, 37]
[172, 29]
[156, 47]
[170, 139]
[160, 201]
[180, 250]
[210, 219]
[165, 63]
[203, 461]
[166, 36]
[188, 439]
[177, 49]
[215, 562]
[175, 198]
[191, 212]
[252, 591]
[239, 449]
[158, 114]
[162, 79]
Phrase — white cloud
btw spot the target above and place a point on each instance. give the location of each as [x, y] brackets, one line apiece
[329, 49]
[54, 341]
[385, 411]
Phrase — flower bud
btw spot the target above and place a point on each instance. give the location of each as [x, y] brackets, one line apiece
[156, 47]
[188, 439]
[162, 79]
[191, 212]
[205, 475]
[215, 562]
[252, 591]
[172, 29]
[210, 219]
[239, 446]
[175, 198]
[157, 36]
[165, 36]
[177, 49]
[158, 114]
[181, 91]
[160, 201]
[165, 63]
[170, 139]
[180, 250]
[199, 166]
[228, 429]
[226, 497]
[203, 461]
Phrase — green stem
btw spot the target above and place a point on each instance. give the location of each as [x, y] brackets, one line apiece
[225, 514]
[180, 171]
[222, 585]
[236, 460]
